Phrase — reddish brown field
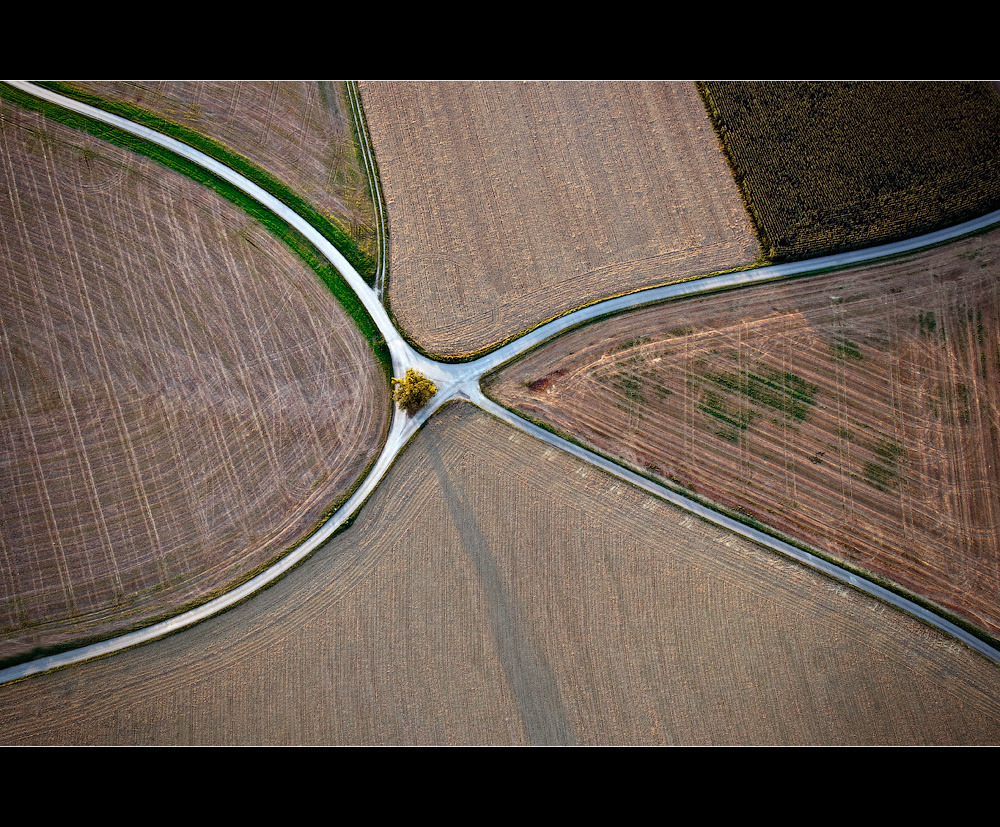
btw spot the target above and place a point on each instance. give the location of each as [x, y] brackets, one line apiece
[856, 411]
[512, 203]
[496, 591]
[182, 399]
[299, 131]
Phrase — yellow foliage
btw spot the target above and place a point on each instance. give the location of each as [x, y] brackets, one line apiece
[413, 391]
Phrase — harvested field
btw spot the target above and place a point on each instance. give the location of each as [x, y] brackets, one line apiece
[855, 411]
[827, 167]
[496, 591]
[182, 399]
[299, 131]
[512, 203]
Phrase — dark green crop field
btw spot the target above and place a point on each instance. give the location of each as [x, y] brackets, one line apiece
[826, 167]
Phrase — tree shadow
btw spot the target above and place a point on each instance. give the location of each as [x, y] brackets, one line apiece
[528, 673]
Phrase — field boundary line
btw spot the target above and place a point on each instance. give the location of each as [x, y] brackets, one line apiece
[460, 379]
[704, 285]
[711, 515]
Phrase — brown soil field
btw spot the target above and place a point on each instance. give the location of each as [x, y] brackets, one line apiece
[299, 131]
[855, 411]
[496, 591]
[182, 399]
[512, 203]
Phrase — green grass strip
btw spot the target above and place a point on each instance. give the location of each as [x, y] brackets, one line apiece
[292, 238]
[365, 264]
[296, 242]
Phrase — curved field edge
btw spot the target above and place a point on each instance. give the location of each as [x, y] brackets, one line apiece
[621, 626]
[294, 240]
[305, 252]
[175, 622]
[467, 290]
[733, 514]
[472, 356]
[86, 642]
[330, 230]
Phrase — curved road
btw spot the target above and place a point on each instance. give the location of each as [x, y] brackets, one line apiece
[462, 381]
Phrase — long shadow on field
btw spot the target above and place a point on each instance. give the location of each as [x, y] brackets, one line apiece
[536, 692]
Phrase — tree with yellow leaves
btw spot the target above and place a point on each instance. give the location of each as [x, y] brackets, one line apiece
[413, 391]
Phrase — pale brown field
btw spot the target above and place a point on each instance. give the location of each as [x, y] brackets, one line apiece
[299, 131]
[512, 203]
[496, 591]
[181, 398]
[856, 411]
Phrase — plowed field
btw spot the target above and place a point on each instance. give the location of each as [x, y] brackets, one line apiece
[512, 203]
[856, 411]
[496, 591]
[181, 400]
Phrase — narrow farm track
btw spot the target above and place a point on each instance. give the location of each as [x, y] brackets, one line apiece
[381, 227]
[462, 381]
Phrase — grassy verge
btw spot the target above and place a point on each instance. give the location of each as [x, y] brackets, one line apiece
[295, 241]
[331, 231]
[359, 128]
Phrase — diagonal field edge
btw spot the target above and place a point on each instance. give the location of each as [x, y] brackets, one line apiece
[761, 538]
[462, 381]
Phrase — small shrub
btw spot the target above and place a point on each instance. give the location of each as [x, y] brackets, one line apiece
[413, 391]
